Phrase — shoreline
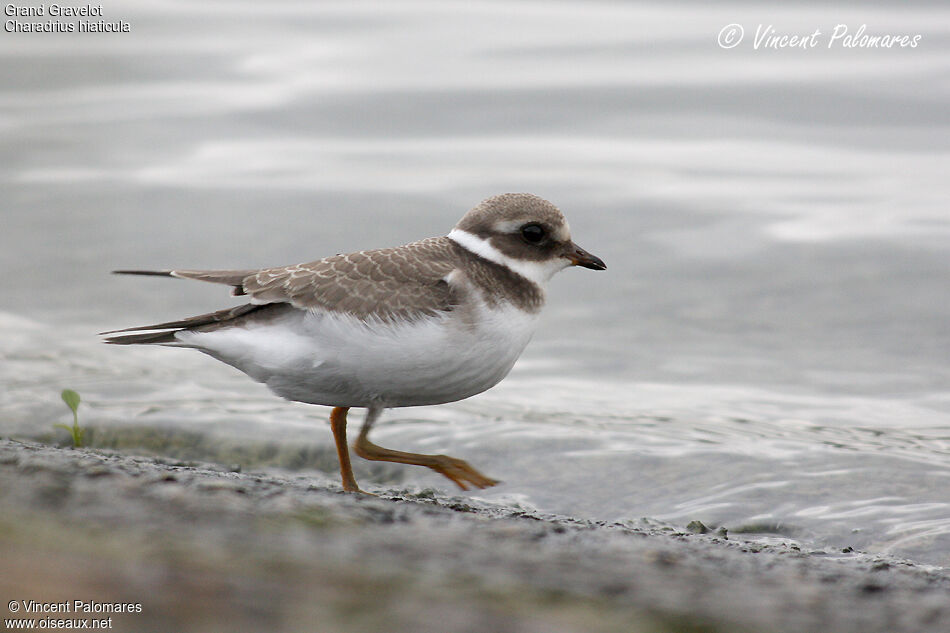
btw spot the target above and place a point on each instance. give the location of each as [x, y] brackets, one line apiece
[201, 545]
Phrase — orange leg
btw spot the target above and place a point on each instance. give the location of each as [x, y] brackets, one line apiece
[459, 471]
[338, 424]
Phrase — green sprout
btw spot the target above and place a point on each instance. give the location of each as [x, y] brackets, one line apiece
[71, 398]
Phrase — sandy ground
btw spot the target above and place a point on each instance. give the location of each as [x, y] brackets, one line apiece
[201, 548]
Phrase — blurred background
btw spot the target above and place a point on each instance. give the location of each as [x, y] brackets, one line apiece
[768, 351]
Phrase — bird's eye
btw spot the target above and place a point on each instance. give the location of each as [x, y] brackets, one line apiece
[532, 233]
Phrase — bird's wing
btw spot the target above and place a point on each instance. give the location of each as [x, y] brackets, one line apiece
[403, 282]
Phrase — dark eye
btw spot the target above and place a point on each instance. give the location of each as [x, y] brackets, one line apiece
[533, 233]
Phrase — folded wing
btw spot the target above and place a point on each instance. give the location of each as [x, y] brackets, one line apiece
[407, 282]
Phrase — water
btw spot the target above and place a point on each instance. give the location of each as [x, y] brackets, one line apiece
[769, 349]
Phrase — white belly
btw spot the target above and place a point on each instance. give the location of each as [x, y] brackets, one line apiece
[337, 360]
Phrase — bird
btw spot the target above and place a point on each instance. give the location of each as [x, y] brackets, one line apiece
[430, 322]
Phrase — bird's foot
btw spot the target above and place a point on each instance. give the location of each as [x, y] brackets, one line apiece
[456, 470]
[459, 472]
[358, 490]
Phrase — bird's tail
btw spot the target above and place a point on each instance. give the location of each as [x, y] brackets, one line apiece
[146, 338]
[146, 334]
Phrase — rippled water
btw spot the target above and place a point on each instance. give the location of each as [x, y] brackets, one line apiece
[769, 349]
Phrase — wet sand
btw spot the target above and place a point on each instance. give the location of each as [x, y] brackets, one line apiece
[202, 548]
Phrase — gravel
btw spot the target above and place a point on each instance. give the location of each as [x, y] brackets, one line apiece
[202, 548]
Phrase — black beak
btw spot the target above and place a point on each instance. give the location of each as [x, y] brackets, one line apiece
[580, 257]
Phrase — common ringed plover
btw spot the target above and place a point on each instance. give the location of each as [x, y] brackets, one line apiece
[433, 321]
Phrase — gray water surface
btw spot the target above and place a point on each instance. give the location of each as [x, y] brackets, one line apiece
[769, 349]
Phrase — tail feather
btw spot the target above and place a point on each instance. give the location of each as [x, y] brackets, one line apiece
[146, 336]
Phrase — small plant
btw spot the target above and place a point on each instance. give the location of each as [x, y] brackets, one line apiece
[71, 398]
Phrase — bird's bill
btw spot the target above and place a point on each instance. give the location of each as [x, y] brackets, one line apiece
[579, 257]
